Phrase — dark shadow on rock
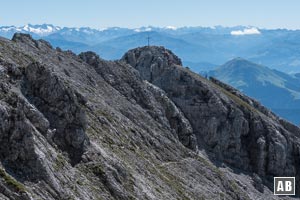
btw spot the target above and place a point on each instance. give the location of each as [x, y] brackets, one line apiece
[62, 106]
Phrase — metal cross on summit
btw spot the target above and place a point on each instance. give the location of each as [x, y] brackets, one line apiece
[148, 38]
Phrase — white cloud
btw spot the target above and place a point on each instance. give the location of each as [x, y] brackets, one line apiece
[171, 27]
[246, 31]
[103, 29]
[143, 29]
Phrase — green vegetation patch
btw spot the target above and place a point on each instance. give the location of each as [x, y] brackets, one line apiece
[236, 99]
[173, 182]
[107, 115]
[98, 170]
[19, 187]
[59, 162]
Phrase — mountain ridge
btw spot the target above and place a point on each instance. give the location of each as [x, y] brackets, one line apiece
[276, 48]
[274, 89]
[142, 127]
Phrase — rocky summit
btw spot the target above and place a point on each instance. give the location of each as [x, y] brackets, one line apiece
[143, 127]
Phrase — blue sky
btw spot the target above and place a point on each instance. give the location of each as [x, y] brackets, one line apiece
[136, 13]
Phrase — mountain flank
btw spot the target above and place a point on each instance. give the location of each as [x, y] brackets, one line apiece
[143, 127]
[276, 90]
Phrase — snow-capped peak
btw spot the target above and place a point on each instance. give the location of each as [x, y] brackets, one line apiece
[41, 30]
[143, 29]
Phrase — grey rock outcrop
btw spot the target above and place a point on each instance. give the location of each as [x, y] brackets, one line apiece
[79, 127]
[61, 105]
[231, 127]
[129, 83]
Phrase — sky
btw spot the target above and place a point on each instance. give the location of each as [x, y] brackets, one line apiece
[161, 13]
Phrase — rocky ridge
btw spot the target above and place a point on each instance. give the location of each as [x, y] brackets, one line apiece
[144, 127]
[233, 128]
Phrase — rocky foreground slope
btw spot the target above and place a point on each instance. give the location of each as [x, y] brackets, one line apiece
[143, 127]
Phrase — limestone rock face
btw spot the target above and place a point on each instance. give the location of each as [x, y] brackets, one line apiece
[129, 83]
[61, 105]
[231, 127]
[151, 61]
[144, 127]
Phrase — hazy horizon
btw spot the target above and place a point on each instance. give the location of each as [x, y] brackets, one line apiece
[148, 26]
[133, 13]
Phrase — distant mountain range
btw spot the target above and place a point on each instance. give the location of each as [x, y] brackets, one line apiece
[199, 47]
[202, 49]
[278, 91]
